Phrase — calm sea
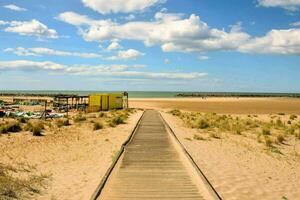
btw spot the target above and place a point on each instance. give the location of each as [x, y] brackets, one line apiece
[151, 94]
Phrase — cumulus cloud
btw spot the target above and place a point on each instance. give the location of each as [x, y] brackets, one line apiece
[14, 7]
[174, 33]
[291, 5]
[283, 42]
[169, 30]
[127, 54]
[119, 6]
[114, 45]
[123, 71]
[39, 51]
[30, 28]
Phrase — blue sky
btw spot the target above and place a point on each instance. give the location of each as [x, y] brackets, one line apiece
[157, 45]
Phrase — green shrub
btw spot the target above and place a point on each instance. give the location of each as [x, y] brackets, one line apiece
[202, 124]
[266, 131]
[268, 141]
[280, 138]
[290, 131]
[3, 129]
[13, 127]
[175, 112]
[98, 126]
[102, 114]
[36, 131]
[292, 117]
[119, 119]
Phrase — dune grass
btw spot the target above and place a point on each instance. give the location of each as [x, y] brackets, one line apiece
[14, 187]
[276, 131]
[98, 125]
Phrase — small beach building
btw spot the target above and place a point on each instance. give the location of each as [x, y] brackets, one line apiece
[109, 101]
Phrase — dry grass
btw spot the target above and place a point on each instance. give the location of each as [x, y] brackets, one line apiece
[14, 187]
[198, 137]
[62, 122]
[79, 118]
[274, 131]
[10, 127]
[98, 125]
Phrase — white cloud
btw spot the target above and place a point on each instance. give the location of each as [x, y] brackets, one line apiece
[291, 5]
[203, 57]
[295, 24]
[39, 51]
[168, 30]
[78, 20]
[167, 61]
[98, 70]
[116, 6]
[114, 45]
[30, 28]
[283, 42]
[174, 33]
[127, 54]
[3, 22]
[14, 7]
[26, 65]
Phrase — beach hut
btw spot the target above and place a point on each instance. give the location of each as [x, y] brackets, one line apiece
[99, 102]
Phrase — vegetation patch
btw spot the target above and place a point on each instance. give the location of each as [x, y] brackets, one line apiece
[79, 118]
[97, 126]
[14, 187]
[62, 122]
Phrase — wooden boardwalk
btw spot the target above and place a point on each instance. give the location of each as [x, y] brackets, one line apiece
[152, 167]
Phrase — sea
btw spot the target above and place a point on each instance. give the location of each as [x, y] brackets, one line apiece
[154, 94]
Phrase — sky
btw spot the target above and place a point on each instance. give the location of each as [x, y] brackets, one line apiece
[150, 45]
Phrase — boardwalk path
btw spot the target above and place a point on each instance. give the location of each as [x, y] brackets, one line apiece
[153, 167]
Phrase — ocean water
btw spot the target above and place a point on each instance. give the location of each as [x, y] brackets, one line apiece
[152, 94]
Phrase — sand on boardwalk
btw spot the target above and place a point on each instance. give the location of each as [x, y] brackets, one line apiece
[241, 168]
[228, 105]
[74, 157]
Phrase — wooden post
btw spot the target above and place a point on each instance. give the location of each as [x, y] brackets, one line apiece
[67, 107]
[45, 111]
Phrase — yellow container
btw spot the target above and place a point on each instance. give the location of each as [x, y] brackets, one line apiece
[98, 102]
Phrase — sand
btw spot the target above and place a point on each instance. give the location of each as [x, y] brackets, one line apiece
[240, 167]
[75, 157]
[222, 105]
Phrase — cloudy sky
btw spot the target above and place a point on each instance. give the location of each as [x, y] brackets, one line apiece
[157, 45]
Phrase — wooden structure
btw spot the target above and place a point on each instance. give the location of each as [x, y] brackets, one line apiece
[99, 102]
[67, 102]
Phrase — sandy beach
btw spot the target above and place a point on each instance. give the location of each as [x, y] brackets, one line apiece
[71, 159]
[224, 105]
[240, 167]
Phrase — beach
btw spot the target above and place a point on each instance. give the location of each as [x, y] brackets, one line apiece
[229, 105]
[67, 162]
[71, 160]
[238, 166]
